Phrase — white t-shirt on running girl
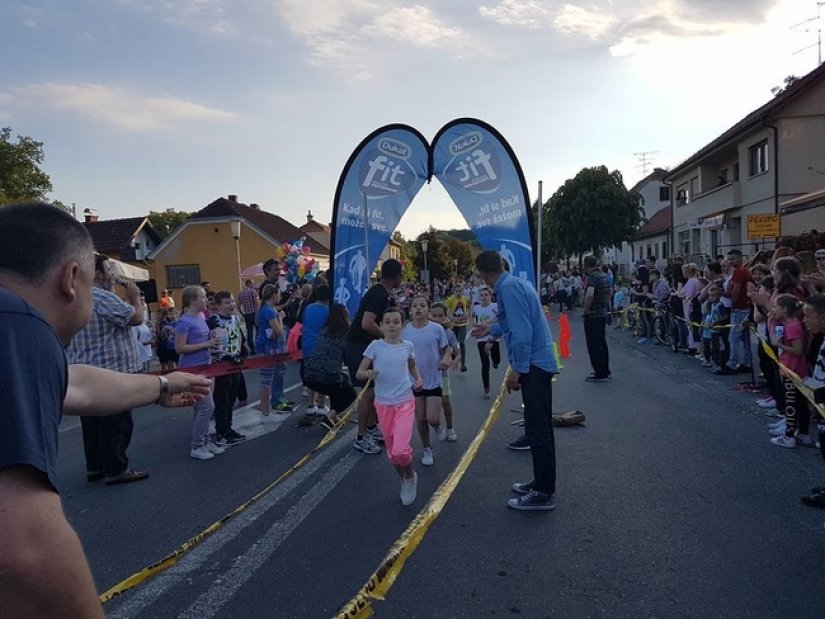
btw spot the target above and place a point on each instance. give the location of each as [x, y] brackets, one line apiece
[485, 316]
[393, 385]
[429, 342]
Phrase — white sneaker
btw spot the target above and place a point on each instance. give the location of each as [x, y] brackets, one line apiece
[777, 424]
[440, 433]
[779, 430]
[201, 453]
[408, 489]
[214, 449]
[311, 410]
[270, 418]
[773, 412]
[451, 435]
[788, 442]
[766, 402]
[427, 456]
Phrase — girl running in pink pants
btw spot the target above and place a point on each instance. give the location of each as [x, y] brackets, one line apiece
[390, 363]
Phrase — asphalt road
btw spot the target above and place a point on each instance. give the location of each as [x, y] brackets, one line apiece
[671, 503]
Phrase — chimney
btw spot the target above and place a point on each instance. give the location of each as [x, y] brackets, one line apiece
[257, 207]
[232, 197]
[309, 215]
[90, 216]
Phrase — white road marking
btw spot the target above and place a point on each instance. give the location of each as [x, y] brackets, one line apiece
[134, 603]
[210, 603]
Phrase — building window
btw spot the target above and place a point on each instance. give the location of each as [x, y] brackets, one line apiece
[182, 275]
[664, 193]
[694, 188]
[682, 195]
[735, 172]
[758, 158]
[684, 242]
[664, 250]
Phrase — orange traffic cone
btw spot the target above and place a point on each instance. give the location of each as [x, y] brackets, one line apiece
[564, 336]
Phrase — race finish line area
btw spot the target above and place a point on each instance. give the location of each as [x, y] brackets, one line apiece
[323, 541]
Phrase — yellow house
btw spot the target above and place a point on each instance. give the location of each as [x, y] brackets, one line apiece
[220, 241]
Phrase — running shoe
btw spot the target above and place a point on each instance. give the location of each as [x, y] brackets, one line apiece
[520, 444]
[376, 434]
[523, 487]
[408, 489]
[452, 437]
[766, 402]
[427, 456]
[366, 445]
[788, 442]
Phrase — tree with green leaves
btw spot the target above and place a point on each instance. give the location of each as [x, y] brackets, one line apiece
[166, 221]
[439, 261]
[590, 212]
[21, 179]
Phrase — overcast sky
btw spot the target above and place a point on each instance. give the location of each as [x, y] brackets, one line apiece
[151, 104]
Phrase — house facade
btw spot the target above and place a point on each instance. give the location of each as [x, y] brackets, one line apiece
[653, 238]
[655, 196]
[128, 241]
[768, 159]
[218, 242]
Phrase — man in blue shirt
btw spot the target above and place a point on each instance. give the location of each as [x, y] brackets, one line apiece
[47, 269]
[532, 365]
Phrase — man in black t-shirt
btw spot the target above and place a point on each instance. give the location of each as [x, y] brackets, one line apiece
[596, 311]
[47, 267]
[363, 330]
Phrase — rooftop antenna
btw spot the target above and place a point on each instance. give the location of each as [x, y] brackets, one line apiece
[818, 44]
[645, 160]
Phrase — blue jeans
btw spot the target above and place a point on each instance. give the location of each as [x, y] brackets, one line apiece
[537, 395]
[277, 387]
[740, 339]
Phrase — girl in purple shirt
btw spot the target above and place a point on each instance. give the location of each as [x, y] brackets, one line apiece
[192, 342]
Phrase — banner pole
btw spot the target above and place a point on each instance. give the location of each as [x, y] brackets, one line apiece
[367, 243]
[538, 247]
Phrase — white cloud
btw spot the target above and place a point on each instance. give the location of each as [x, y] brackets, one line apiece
[576, 20]
[417, 25]
[523, 13]
[312, 17]
[631, 22]
[113, 106]
[347, 36]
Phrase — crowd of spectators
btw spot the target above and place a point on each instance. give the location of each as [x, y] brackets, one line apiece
[738, 316]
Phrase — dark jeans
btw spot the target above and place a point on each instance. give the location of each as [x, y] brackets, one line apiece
[243, 396]
[224, 395]
[341, 394]
[461, 335]
[537, 395]
[594, 327]
[495, 353]
[105, 441]
[249, 319]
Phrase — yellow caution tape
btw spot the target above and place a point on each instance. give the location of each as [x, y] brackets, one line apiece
[383, 578]
[806, 391]
[172, 558]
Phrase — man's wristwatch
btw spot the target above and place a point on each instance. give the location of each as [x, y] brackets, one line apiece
[164, 388]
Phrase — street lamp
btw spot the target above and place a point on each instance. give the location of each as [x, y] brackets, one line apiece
[426, 275]
[235, 229]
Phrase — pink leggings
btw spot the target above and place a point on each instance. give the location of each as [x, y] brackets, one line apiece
[396, 421]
